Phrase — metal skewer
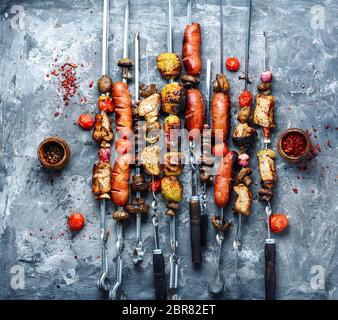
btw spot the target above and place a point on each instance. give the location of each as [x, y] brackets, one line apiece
[237, 244]
[173, 280]
[270, 244]
[203, 194]
[138, 253]
[217, 286]
[103, 282]
[116, 293]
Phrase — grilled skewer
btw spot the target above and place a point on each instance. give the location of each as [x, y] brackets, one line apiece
[121, 172]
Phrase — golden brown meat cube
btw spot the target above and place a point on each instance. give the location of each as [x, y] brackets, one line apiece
[169, 65]
[264, 111]
[150, 160]
[101, 180]
[102, 129]
[266, 165]
[243, 201]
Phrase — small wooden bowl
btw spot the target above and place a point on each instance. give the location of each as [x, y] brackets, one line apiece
[59, 144]
[306, 152]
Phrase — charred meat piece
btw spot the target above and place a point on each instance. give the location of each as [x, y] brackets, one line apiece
[137, 205]
[264, 111]
[102, 130]
[265, 194]
[169, 65]
[244, 135]
[244, 115]
[139, 184]
[266, 166]
[101, 180]
[220, 226]
[173, 163]
[149, 108]
[172, 189]
[243, 201]
[172, 97]
[150, 160]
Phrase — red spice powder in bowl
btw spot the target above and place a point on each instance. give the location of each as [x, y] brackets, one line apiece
[294, 145]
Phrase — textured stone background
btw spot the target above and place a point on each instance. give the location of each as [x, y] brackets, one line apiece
[35, 202]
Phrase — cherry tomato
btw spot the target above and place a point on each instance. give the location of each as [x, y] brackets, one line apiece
[278, 222]
[76, 221]
[220, 150]
[86, 121]
[232, 64]
[123, 146]
[245, 99]
[106, 104]
[156, 185]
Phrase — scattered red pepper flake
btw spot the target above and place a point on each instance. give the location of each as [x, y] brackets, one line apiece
[318, 147]
[91, 83]
[295, 190]
[328, 143]
[327, 126]
[294, 144]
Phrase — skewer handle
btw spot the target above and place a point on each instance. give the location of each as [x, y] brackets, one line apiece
[270, 271]
[195, 230]
[204, 229]
[159, 277]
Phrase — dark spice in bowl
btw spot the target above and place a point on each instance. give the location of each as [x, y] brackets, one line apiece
[53, 152]
[294, 144]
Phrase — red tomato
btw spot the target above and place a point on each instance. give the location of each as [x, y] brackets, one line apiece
[156, 185]
[278, 222]
[123, 146]
[245, 99]
[86, 121]
[220, 150]
[76, 221]
[106, 104]
[232, 64]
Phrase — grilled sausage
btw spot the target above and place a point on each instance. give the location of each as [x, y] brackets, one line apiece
[194, 116]
[123, 108]
[191, 51]
[221, 116]
[224, 179]
[120, 180]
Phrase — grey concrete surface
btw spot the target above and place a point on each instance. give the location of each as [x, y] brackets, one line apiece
[34, 203]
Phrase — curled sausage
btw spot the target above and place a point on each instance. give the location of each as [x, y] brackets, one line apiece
[123, 108]
[191, 51]
[221, 116]
[223, 181]
[194, 116]
[120, 180]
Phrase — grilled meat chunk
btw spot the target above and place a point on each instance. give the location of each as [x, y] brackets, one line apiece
[264, 111]
[150, 160]
[101, 180]
[102, 133]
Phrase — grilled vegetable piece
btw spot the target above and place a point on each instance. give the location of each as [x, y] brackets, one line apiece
[220, 226]
[169, 65]
[172, 123]
[120, 180]
[120, 216]
[266, 166]
[172, 97]
[243, 201]
[149, 108]
[172, 189]
[191, 50]
[173, 163]
[104, 84]
[102, 130]
[264, 111]
[150, 160]
[101, 180]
